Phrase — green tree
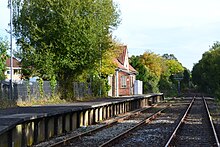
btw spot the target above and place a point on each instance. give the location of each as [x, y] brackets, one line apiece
[149, 70]
[206, 73]
[156, 72]
[169, 57]
[63, 37]
[172, 68]
[4, 46]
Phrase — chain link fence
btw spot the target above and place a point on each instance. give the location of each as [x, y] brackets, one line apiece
[26, 91]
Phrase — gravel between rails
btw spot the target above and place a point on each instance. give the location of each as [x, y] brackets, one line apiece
[214, 108]
[157, 132]
[196, 130]
[129, 123]
[106, 134]
[85, 129]
[63, 137]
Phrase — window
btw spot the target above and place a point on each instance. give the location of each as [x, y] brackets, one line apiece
[17, 71]
[123, 81]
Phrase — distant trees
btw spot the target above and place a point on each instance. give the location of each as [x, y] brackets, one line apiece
[157, 71]
[63, 38]
[206, 73]
[4, 46]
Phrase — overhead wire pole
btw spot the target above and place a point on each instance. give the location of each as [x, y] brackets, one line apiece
[100, 72]
[11, 52]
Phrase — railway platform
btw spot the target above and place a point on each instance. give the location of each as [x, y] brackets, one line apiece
[25, 126]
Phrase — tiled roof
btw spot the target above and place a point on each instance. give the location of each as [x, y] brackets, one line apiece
[16, 63]
[120, 66]
[121, 59]
[131, 68]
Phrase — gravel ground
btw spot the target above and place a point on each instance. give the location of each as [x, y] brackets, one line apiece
[159, 126]
[106, 134]
[195, 130]
[214, 108]
[70, 134]
[157, 132]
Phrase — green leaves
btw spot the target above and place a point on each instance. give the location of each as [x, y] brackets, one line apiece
[62, 37]
[155, 71]
[4, 47]
[206, 73]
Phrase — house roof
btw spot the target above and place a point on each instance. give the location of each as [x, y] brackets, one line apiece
[120, 61]
[16, 63]
[121, 57]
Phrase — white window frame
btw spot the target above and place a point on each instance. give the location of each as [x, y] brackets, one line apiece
[123, 81]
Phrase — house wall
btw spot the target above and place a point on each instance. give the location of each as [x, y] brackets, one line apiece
[16, 76]
[124, 91]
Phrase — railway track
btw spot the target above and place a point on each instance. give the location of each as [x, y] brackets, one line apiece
[214, 108]
[119, 121]
[156, 132]
[195, 128]
[187, 120]
[109, 134]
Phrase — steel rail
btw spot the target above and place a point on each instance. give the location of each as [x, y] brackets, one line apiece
[180, 123]
[145, 121]
[120, 118]
[211, 122]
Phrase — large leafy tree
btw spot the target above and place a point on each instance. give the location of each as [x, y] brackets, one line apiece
[149, 68]
[4, 46]
[206, 73]
[172, 68]
[157, 71]
[63, 37]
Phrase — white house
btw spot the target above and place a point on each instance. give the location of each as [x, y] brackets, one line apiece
[16, 70]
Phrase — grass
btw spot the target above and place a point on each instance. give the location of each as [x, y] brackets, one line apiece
[6, 103]
[42, 101]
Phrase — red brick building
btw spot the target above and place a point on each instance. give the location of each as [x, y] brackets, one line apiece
[122, 82]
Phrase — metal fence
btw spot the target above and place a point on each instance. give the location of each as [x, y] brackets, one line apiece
[25, 91]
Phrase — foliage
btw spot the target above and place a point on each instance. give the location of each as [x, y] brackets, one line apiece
[63, 37]
[4, 47]
[7, 103]
[157, 72]
[169, 57]
[149, 69]
[98, 83]
[53, 83]
[206, 73]
[41, 88]
[42, 101]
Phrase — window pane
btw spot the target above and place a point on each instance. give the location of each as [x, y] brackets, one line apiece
[123, 81]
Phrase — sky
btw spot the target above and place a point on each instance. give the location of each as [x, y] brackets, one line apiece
[4, 18]
[185, 28]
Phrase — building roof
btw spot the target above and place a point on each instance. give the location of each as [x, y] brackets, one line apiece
[120, 61]
[121, 57]
[16, 63]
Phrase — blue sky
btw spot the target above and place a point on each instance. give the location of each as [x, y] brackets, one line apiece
[185, 28]
[4, 18]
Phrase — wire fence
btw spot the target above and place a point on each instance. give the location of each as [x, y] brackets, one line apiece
[26, 91]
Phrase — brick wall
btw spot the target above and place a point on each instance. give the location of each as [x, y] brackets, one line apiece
[124, 90]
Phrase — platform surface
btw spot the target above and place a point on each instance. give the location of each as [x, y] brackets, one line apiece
[10, 117]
